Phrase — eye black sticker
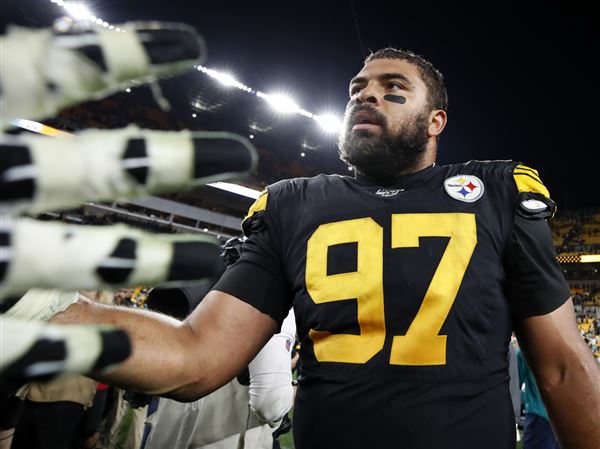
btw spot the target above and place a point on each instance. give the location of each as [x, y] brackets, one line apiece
[395, 98]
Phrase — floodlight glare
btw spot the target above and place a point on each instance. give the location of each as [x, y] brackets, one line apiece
[78, 11]
[224, 78]
[282, 103]
[329, 123]
[234, 188]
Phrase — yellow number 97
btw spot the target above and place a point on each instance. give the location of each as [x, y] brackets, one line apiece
[422, 344]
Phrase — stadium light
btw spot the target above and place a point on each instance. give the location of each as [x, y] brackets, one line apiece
[234, 188]
[329, 123]
[281, 103]
[78, 11]
[225, 78]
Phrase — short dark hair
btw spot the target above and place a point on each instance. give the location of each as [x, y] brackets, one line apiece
[432, 77]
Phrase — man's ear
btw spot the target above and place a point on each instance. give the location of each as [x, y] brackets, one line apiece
[437, 122]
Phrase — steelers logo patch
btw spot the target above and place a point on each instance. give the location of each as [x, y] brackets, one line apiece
[467, 188]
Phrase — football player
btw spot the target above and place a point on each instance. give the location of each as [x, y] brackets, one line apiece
[406, 281]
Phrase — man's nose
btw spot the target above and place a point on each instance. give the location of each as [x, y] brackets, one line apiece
[368, 95]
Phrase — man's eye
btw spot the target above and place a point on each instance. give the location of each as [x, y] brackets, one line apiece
[354, 90]
[394, 86]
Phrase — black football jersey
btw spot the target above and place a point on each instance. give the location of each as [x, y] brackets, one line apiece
[404, 297]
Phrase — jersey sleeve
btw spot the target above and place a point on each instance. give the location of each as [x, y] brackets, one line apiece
[258, 277]
[535, 284]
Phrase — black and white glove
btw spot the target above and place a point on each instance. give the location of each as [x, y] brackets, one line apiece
[54, 255]
[34, 350]
[39, 173]
[44, 71]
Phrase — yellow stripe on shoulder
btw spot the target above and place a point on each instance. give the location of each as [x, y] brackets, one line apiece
[528, 180]
[523, 169]
[259, 205]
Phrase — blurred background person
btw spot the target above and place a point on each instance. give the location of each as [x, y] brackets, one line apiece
[537, 431]
[53, 413]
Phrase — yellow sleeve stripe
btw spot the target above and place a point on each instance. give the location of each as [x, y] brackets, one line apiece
[528, 180]
[523, 169]
[259, 205]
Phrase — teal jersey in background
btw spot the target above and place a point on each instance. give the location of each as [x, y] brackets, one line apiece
[530, 393]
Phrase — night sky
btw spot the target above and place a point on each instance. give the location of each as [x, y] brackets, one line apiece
[521, 83]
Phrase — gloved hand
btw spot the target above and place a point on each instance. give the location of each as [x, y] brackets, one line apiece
[55, 255]
[38, 173]
[44, 71]
[33, 350]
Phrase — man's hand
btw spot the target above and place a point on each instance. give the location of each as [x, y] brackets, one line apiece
[183, 360]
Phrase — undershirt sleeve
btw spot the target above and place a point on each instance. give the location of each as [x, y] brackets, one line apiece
[271, 391]
[535, 284]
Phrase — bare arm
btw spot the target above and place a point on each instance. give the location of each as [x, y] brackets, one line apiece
[183, 360]
[567, 375]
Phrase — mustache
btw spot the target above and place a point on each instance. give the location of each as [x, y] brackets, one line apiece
[375, 116]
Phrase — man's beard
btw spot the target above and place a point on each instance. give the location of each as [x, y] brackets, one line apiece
[385, 157]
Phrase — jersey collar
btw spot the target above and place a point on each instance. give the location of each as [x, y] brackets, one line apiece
[403, 181]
